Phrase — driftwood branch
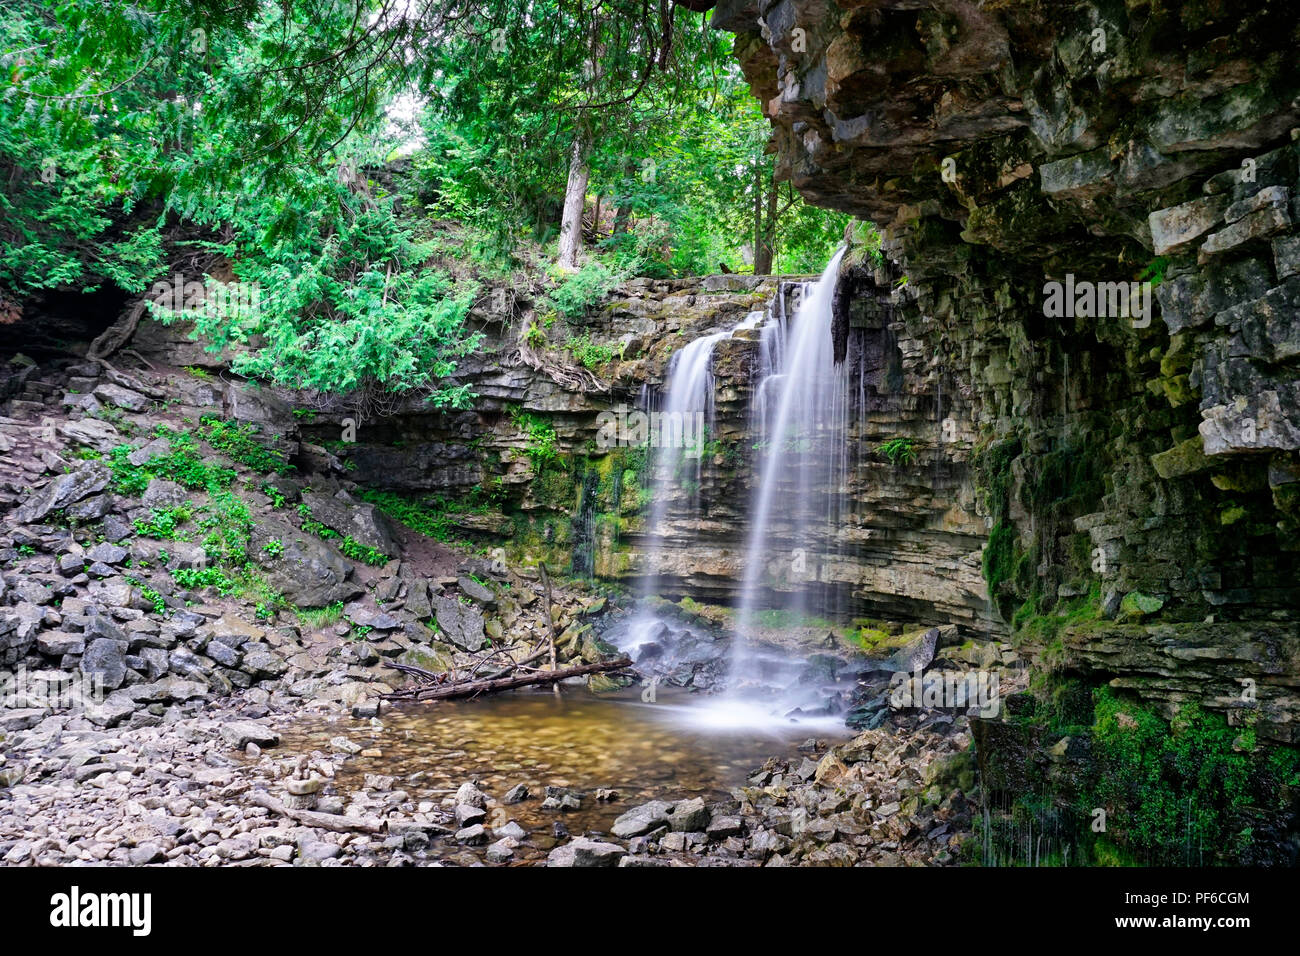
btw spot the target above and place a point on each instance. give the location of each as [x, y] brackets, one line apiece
[550, 617]
[334, 822]
[472, 688]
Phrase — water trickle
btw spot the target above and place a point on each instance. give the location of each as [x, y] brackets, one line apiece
[802, 416]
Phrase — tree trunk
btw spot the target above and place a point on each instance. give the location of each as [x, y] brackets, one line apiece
[575, 195]
[473, 688]
[765, 246]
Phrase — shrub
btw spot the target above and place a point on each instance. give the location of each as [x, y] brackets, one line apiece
[899, 451]
[239, 443]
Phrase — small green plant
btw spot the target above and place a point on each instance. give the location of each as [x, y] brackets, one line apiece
[590, 354]
[26, 550]
[273, 548]
[165, 523]
[899, 451]
[429, 516]
[151, 595]
[194, 579]
[318, 617]
[584, 288]
[181, 464]
[278, 500]
[357, 551]
[312, 526]
[239, 442]
[542, 448]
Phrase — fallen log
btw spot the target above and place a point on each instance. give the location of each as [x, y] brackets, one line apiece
[472, 688]
[336, 823]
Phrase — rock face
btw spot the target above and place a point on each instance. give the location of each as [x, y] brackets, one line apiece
[1022, 162]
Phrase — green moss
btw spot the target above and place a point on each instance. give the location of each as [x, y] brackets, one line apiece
[239, 442]
[1175, 793]
[1137, 605]
[999, 557]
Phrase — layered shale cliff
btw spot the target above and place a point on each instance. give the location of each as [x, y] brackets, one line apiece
[1149, 458]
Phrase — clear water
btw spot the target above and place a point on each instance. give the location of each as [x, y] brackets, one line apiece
[671, 749]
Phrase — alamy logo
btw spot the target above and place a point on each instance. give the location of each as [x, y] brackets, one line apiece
[946, 689]
[1085, 299]
[75, 909]
[231, 299]
[621, 427]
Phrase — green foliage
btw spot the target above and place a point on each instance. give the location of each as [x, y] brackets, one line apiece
[428, 517]
[582, 289]
[899, 451]
[359, 552]
[165, 523]
[317, 618]
[542, 448]
[589, 354]
[181, 465]
[239, 443]
[273, 548]
[312, 526]
[194, 579]
[150, 594]
[228, 526]
[1178, 793]
[278, 500]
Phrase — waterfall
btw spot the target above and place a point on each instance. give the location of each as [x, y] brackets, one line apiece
[798, 418]
[686, 404]
[801, 408]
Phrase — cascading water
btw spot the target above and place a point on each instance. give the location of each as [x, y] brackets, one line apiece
[688, 410]
[799, 417]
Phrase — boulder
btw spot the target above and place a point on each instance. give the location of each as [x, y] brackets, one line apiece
[241, 733]
[359, 520]
[92, 433]
[88, 478]
[105, 660]
[584, 852]
[312, 574]
[641, 820]
[460, 624]
[112, 394]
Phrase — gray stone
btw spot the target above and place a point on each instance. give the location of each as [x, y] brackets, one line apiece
[124, 398]
[584, 852]
[107, 553]
[460, 624]
[466, 815]
[88, 478]
[104, 660]
[642, 819]
[689, 816]
[472, 835]
[476, 592]
[516, 794]
[361, 521]
[58, 643]
[91, 432]
[240, 734]
[162, 494]
[1174, 228]
[309, 573]
[262, 663]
